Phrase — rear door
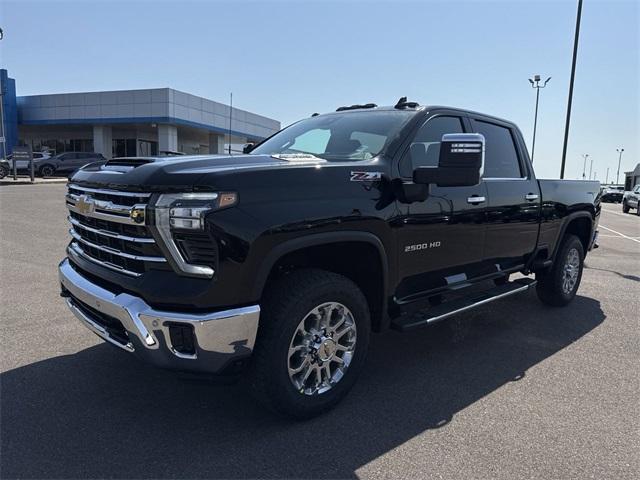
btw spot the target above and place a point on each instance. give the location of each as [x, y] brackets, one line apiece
[441, 239]
[513, 209]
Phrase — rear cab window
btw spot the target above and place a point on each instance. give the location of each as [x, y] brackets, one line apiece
[501, 158]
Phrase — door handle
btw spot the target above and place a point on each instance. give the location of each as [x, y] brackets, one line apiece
[531, 196]
[476, 200]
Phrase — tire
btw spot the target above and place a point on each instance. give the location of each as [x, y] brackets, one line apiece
[625, 207]
[558, 285]
[47, 170]
[3, 172]
[288, 304]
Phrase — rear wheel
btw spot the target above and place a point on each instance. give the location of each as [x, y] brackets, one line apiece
[558, 285]
[47, 170]
[3, 172]
[311, 345]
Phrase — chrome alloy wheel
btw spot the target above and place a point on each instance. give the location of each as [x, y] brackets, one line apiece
[322, 348]
[570, 271]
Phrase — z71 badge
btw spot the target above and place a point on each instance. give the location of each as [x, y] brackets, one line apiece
[366, 176]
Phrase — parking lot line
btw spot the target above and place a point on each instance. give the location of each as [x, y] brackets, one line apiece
[621, 234]
[617, 213]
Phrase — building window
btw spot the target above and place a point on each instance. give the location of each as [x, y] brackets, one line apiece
[121, 147]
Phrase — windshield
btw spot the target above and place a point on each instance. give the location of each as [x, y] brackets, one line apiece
[341, 136]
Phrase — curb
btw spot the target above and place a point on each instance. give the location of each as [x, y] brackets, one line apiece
[25, 181]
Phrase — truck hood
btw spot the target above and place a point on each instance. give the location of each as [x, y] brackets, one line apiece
[176, 173]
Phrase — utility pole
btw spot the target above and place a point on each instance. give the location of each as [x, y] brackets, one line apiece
[573, 76]
[584, 165]
[535, 83]
[619, 150]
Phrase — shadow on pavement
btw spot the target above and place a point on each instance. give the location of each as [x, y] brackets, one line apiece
[101, 413]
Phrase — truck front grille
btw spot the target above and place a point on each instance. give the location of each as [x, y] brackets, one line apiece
[105, 231]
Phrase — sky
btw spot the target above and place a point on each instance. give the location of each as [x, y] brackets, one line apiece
[287, 60]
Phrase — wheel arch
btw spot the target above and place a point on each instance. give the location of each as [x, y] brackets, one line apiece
[359, 256]
[579, 224]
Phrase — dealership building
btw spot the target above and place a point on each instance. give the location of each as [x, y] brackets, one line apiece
[126, 122]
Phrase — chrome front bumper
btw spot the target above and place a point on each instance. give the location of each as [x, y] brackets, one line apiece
[222, 339]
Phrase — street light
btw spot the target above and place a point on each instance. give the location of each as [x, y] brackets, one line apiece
[590, 168]
[535, 83]
[584, 165]
[619, 150]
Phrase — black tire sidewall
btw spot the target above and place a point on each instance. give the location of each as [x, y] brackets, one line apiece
[286, 399]
[569, 244]
[47, 167]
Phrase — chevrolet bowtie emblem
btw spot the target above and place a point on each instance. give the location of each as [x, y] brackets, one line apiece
[85, 204]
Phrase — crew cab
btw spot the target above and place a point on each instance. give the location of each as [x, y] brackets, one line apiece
[278, 264]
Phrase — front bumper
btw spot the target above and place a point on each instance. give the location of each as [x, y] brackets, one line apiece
[222, 341]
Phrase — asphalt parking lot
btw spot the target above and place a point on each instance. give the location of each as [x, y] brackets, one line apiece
[512, 390]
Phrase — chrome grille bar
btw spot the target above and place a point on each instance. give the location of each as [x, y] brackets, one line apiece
[74, 250]
[107, 233]
[117, 193]
[113, 251]
[104, 210]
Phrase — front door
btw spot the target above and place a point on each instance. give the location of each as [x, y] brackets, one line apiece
[513, 210]
[441, 240]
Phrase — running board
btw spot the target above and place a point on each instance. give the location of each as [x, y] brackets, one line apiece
[452, 307]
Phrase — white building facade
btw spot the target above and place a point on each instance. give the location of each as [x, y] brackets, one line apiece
[135, 123]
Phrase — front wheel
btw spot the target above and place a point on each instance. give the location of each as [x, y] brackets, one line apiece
[3, 172]
[558, 285]
[625, 207]
[312, 343]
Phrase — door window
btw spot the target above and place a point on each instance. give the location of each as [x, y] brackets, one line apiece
[424, 150]
[501, 157]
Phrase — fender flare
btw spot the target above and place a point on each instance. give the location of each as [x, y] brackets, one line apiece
[563, 229]
[322, 239]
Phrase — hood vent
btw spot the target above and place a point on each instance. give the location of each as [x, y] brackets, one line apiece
[128, 162]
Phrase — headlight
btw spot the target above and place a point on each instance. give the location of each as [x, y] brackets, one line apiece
[186, 212]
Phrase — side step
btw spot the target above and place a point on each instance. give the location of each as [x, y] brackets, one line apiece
[447, 309]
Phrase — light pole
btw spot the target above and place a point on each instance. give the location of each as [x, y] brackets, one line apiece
[535, 83]
[607, 179]
[570, 98]
[590, 168]
[584, 165]
[619, 150]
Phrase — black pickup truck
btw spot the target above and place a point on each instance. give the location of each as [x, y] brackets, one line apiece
[278, 264]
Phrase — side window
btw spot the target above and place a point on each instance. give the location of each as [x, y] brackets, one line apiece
[501, 157]
[424, 150]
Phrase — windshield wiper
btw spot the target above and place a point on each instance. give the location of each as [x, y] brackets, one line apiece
[356, 107]
[295, 156]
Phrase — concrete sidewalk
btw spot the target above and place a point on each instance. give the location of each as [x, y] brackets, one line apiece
[26, 180]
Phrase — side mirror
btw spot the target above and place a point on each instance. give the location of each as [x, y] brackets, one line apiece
[460, 162]
[248, 147]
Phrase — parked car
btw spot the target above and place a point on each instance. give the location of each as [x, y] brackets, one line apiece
[279, 264]
[5, 168]
[65, 163]
[631, 199]
[612, 193]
